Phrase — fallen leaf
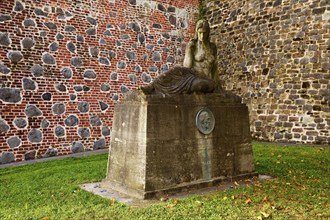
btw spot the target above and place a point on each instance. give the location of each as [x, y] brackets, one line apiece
[171, 205]
[224, 198]
[248, 201]
[232, 197]
[264, 214]
[265, 199]
[113, 200]
[236, 183]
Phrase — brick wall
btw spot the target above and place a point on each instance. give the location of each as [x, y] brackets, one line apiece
[64, 64]
[276, 55]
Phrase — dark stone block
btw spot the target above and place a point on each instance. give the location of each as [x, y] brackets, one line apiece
[115, 97]
[48, 59]
[102, 41]
[122, 27]
[124, 89]
[44, 124]
[73, 97]
[71, 121]
[145, 57]
[86, 88]
[14, 142]
[59, 131]
[104, 61]
[171, 9]
[40, 12]
[103, 106]
[27, 43]
[317, 11]
[77, 147]
[35, 136]
[67, 72]
[112, 14]
[156, 25]
[10, 95]
[105, 87]
[18, 6]
[132, 2]
[83, 107]
[32, 111]
[114, 76]
[107, 33]
[76, 61]
[156, 56]
[106, 131]
[15, 56]
[78, 88]
[84, 132]
[121, 64]
[161, 7]
[164, 68]
[30, 155]
[146, 78]
[91, 20]
[20, 123]
[138, 68]
[4, 69]
[134, 26]
[4, 18]
[118, 43]
[132, 78]
[50, 25]
[80, 39]
[277, 3]
[29, 22]
[184, 24]
[153, 69]
[4, 127]
[150, 46]
[95, 120]
[166, 35]
[131, 55]
[69, 28]
[47, 96]
[71, 47]
[51, 152]
[170, 59]
[141, 38]
[60, 87]
[124, 37]
[29, 84]
[7, 157]
[58, 108]
[94, 51]
[99, 144]
[59, 36]
[4, 39]
[89, 74]
[91, 31]
[172, 20]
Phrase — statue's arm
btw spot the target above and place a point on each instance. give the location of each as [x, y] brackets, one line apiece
[188, 57]
[214, 69]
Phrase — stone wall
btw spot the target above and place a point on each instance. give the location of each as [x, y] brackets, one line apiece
[64, 64]
[276, 55]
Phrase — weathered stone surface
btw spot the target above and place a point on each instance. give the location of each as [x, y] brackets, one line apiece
[102, 41]
[83, 107]
[105, 131]
[164, 68]
[76, 62]
[103, 106]
[91, 31]
[32, 111]
[4, 127]
[35, 136]
[172, 20]
[30, 155]
[61, 87]
[7, 157]
[48, 59]
[124, 88]
[18, 6]
[80, 39]
[10, 95]
[29, 22]
[112, 54]
[161, 7]
[47, 96]
[124, 37]
[78, 88]
[134, 26]
[150, 46]
[4, 69]
[71, 47]
[132, 78]
[50, 25]
[95, 120]
[4, 18]
[67, 72]
[104, 61]
[156, 56]
[71, 121]
[51, 152]
[14, 142]
[59, 36]
[131, 55]
[27, 43]
[105, 87]
[77, 147]
[107, 33]
[121, 64]
[15, 56]
[146, 78]
[59, 131]
[132, 2]
[53, 46]
[89, 74]
[44, 124]
[115, 97]
[141, 38]
[29, 84]
[20, 123]
[4, 39]
[40, 12]
[170, 59]
[99, 144]
[91, 20]
[153, 69]
[58, 108]
[37, 70]
[156, 25]
[84, 132]
[73, 97]
[138, 68]
[114, 76]
[94, 51]
[70, 28]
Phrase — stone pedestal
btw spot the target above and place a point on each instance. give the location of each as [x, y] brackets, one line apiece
[156, 147]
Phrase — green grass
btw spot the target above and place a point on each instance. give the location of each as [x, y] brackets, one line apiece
[51, 190]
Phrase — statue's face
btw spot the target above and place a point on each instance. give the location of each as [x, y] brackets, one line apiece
[201, 34]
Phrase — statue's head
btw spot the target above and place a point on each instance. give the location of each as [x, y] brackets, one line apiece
[202, 32]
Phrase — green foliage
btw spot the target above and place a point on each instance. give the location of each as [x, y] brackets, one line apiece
[201, 10]
[51, 190]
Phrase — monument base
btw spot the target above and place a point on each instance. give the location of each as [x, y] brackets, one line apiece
[164, 145]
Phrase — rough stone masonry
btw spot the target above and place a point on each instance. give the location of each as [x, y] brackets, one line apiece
[64, 64]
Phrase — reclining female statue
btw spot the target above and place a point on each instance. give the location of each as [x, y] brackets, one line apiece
[198, 72]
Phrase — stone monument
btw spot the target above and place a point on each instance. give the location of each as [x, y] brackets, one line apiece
[180, 132]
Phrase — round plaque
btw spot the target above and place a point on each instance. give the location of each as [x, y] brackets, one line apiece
[205, 121]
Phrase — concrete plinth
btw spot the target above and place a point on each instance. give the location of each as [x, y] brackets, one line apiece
[156, 147]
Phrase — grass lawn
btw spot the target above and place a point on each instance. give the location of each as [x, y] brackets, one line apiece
[51, 190]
